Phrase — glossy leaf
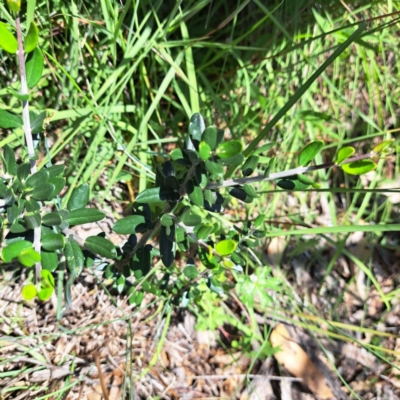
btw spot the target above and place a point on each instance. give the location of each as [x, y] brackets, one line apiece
[240, 194]
[49, 260]
[36, 179]
[59, 184]
[196, 126]
[28, 291]
[37, 121]
[23, 171]
[149, 196]
[225, 247]
[8, 42]
[34, 67]
[43, 192]
[101, 246]
[309, 152]
[344, 153]
[12, 251]
[229, 149]
[204, 151]
[84, 216]
[31, 38]
[359, 167]
[32, 219]
[52, 219]
[53, 242]
[29, 257]
[79, 197]
[142, 262]
[10, 162]
[10, 120]
[127, 225]
[212, 136]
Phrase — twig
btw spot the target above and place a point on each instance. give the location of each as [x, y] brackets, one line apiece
[27, 131]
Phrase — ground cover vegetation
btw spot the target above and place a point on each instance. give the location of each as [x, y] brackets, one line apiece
[235, 163]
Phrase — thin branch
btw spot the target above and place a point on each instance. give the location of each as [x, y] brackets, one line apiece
[27, 131]
[285, 174]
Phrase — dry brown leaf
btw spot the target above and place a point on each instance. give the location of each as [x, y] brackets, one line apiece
[297, 362]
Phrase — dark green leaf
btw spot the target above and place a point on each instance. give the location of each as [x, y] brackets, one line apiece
[9, 120]
[36, 179]
[240, 194]
[359, 167]
[212, 136]
[43, 192]
[23, 171]
[120, 283]
[207, 258]
[233, 161]
[167, 245]
[59, 184]
[190, 272]
[79, 258]
[79, 197]
[52, 219]
[250, 165]
[55, 170]
[70, 257]
[34, 67]
[292, 184]
[84, 216]
[142, 262]
[101, 246]
[32, 220]
[53, 242]
[9, 159]
[37, 121]
[49, 260]
[189, 218]
[14, 249]
[309, 152]
[127, 225]
[149, 196]
[32, 205]
[8, 42]
[31, 38]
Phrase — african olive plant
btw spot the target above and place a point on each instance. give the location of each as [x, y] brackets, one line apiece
[176, 246]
